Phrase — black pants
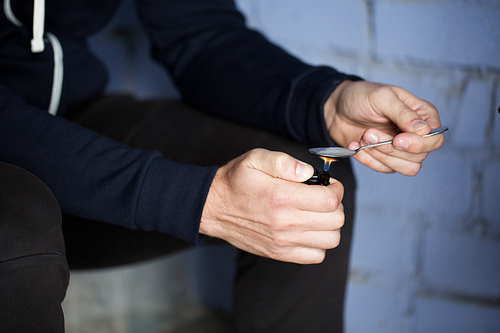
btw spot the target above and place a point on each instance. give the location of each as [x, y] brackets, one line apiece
[270, 296]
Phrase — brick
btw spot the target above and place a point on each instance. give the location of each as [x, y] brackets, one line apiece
[434, 315]
[462, 263]
[441, 188]
[321, 24]
[375, 310]
[446, 32]
[474, 116]
[491, 195]
[382, 250]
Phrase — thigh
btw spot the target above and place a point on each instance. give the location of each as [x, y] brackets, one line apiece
[33, 270]
[30, 218]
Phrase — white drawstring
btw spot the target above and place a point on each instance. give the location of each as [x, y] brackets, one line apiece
[37, 44]
[10, 15]
[57, 78]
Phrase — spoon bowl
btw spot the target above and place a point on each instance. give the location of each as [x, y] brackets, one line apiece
[340, 152]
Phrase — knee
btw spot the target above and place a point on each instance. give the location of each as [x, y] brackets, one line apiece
[30, 217]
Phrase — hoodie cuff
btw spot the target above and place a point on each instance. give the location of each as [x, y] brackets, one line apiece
[306, 108]
[172, 199]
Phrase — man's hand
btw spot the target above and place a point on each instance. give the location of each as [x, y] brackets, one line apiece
[361, 113]
[258, 204]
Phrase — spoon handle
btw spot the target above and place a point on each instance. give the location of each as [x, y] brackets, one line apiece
[374, 145]
[435, 131]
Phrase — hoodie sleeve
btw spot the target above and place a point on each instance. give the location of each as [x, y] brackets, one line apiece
[229, 70]
[98, 178]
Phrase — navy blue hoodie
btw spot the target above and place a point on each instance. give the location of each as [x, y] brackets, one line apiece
[198, 41]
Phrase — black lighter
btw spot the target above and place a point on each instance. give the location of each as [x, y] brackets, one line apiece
[319, 178]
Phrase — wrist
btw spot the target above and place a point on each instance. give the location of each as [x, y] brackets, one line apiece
[208, 220]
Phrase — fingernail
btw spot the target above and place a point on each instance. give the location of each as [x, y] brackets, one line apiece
[302, 170]
[371, 138]
[417, 125]
[402, 143]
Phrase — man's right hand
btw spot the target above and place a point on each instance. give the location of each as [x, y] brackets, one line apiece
[257, 202]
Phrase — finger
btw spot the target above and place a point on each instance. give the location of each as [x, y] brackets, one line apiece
[395, 164]
[388, 159]
[321, 239]
[425, 110]
[304, 233]
[310, 239]
[264, 246]
[302, 255]
[368, 160]
[372, 136]
[389, 102]
[301, 220]
[416, 144]
[279, 165]
[280, 193]
[322, 199]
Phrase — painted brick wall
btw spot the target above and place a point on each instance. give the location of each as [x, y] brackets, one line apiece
[426, 254]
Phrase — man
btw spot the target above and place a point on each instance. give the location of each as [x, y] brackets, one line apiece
[189, 173]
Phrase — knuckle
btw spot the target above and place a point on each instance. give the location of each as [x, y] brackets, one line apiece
[278, 198]
[340, 220]
[421, 157]
[255, 151]
[384, 91]
[275, 253]
[341, 188]
[372, 164]
[440, 142]
[252, 154]
[334, 198]
[336, 240]
[332, 202]
[413, 169]
[417, 146]
[280, 240]
[318, 258]
[383, 158]
[278, 223]
[281, 163]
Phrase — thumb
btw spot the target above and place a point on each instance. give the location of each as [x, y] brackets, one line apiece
[397, 108]
[280, 165]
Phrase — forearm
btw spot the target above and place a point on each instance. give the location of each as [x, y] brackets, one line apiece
[226, 69]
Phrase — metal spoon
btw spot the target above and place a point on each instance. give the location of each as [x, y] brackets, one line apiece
[339, 152]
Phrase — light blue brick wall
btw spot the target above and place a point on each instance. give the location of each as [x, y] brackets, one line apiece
[469, 266]
[426, 255]
[448, 32]
[434, 315]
